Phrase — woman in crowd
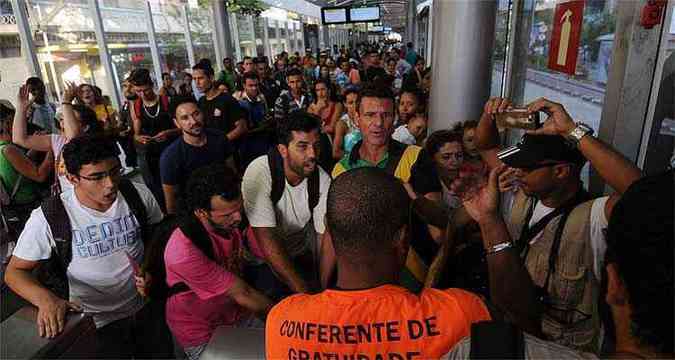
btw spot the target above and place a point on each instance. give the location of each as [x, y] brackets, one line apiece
[89, 97]
[347, 132]
[446, 150]
[325, 107]
[19, 174]
[415, 76]
[472, 157]
[409, 104]
[76, 119]
[395, 74]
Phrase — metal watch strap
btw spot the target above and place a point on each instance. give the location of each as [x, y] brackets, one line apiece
[576, 134]
[498, 248]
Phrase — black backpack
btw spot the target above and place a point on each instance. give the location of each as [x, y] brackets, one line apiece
[52, 272]
[276, 163]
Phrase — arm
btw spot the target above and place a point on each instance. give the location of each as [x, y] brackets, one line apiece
[338, 147]
[136, 125]
[71, 126]
[613, 167]
[330, 128]
[26, 167]
[169, 198]
[51, 308]
[276, 256]
[511, 287]
[487, 136]
[249, 298]
[240, 126]
[19, 127]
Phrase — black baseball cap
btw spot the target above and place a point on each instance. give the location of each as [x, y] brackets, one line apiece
[533, 150]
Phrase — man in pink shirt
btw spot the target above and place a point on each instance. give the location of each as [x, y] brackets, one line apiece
[203, 260]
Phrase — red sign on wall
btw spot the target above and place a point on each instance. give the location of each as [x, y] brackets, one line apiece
[562, 55]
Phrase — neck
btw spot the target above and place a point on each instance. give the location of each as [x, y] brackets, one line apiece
[296, 94]
[351, 277]
[561, 195]
[91, 204]
[372, 153]
[291, 176]
[212, 92]
[152, 101]
[195, 140]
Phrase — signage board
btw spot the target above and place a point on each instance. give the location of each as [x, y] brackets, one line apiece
[566, 36]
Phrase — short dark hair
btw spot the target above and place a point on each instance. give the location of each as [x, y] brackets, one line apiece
[140, 77]
[36, 82]
[293, 72]
[165, 75]
[209, 181]
[641, 229]
[437, 139]
[351, 89]
[247, 58]
[365, 210]
[88, 120]
[205, 67]
[260, 60]
[298, 120]
[249, 75]
[87, 149]
[375, 89]
[178, 101]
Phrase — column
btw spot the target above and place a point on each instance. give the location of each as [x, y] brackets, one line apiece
[266, 38]
[154, 49]
[250, 20]
[295, 37]
[235, 35]
[103, 53]
[221, 32]
[279, 47]
[287, 26]
[188, 37]
[430, 37]
[461, 86]
[411, 16]
[26, 36]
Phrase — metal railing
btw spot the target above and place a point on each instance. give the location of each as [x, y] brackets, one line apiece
[7, 19]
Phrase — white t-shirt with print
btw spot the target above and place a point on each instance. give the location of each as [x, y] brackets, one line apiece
[403, 135]
[598, 223]
[291, 214]
[100, 275]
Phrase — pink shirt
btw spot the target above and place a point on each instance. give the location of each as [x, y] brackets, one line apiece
[194, 315]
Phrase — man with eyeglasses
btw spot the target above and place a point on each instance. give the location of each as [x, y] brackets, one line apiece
[107, 236]
[547, 268]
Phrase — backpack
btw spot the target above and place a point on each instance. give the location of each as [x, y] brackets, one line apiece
[163, 101]
[52, 273]
[276, 163]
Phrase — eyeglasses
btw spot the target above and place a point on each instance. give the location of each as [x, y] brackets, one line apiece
[114, 173]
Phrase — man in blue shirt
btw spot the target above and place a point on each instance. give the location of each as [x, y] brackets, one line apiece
[197, 147]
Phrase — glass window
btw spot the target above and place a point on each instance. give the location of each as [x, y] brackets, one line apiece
[259, 35]
[246, 35]
[500, 48]
[201, 29]
[170, 33]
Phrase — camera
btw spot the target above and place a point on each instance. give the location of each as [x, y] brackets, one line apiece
[518, 118]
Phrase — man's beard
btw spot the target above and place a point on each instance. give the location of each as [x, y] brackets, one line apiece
[222, 230]
[299, 168]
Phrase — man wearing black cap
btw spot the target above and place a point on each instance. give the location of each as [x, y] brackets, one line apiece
[547, 267]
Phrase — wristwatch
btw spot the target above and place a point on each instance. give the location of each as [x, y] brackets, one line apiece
[576, 134]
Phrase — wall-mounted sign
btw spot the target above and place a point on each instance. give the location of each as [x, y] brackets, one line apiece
[334, 15]
[364, 14]
[566, 36]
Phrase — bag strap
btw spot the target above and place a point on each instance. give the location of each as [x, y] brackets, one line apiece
[313, 184]
[276, 163]
[15, 190]
[496, 340]
[136, 205]
[59, 224]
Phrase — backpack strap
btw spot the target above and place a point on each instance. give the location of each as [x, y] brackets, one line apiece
[136, 205]
[496, 340]
[52, 274]
[313, 190]
[276, 163]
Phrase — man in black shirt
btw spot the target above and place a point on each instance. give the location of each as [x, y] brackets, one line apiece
[197, 147]
[371, 67]
[220, 110]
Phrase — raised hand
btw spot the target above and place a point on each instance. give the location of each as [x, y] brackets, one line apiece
[481, 200]
[69, 92]
[559, 122]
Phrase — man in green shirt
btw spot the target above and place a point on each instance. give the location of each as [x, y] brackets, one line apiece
[227, 75]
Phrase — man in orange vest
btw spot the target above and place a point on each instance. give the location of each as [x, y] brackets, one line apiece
[368, 316]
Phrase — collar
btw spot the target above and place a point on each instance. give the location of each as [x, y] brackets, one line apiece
[394, 149]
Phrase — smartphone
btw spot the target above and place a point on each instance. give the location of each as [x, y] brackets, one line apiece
[518, 118]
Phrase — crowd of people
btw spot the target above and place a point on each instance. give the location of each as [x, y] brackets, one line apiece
[303, 196]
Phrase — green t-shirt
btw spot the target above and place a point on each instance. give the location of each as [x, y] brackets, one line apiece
[27, 191]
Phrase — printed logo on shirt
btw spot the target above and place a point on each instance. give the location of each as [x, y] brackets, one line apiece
[217, 112]
[100, 240]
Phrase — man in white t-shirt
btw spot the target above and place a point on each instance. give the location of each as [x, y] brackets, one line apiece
[289, 233]
[548, 254]
[106, 240]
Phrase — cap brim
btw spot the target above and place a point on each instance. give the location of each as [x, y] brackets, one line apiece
[515, 157]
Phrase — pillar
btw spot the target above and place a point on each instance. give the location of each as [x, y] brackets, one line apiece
[461, 66]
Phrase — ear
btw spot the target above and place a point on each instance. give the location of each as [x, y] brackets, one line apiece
[562, 171]
[283, 150]
[175, 122]
[201, 214]
[75, 180]
[616, 290]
